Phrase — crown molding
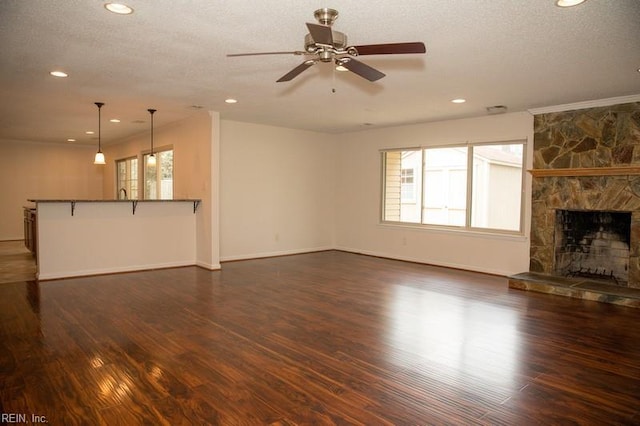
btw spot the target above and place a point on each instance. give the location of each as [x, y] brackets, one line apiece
[586, 104]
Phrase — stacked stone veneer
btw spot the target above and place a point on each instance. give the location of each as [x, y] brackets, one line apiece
[588, 138]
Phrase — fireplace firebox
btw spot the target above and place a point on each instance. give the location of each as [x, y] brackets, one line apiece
[593, 244]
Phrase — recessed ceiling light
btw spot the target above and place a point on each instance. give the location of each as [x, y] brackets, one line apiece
[114, 120]
[71, 140]
[59, 74]
[119, 8]
[458, 101]
[568, 3]
[231, 101]
[90, 132]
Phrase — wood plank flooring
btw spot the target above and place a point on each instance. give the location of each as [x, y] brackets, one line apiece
[328, 338]
[16, 262]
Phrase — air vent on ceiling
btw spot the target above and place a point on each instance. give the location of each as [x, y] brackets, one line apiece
[497, 109]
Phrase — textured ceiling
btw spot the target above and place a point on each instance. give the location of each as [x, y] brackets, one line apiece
[171, 55]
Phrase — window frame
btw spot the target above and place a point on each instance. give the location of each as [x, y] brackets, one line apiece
[469, 186]
[132, 178]
[143, 171]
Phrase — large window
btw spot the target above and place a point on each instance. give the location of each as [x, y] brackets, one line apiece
[158, 177]
[471, 186]
[127, 178]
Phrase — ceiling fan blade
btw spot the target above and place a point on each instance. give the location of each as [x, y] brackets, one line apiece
[321, 34]
[391, 48]
[363, 70]
[297, 52]
[296, 71]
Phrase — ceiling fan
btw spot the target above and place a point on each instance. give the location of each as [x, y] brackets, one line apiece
[323, 44]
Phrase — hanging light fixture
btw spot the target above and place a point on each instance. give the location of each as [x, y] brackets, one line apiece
[99, 159]
[151, 160]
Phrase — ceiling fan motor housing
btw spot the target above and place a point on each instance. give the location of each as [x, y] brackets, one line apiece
[338, 41]
[326, 16]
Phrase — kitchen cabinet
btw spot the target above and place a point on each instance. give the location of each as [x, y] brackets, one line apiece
[30, 230]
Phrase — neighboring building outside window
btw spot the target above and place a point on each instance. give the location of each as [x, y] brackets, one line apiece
[475, 186]
[408, 194]
[403, 195]
[445, 186]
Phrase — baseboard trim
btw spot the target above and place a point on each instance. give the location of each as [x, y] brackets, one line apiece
[273, 254]
[457, 266]
[107, 271]
[209, 266]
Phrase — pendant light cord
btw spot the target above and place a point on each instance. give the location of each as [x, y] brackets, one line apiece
[99, 105]
[151, 111]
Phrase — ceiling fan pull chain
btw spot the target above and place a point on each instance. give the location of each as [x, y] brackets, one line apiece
[333, 80]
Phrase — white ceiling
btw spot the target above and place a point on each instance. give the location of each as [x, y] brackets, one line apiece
[171, 55]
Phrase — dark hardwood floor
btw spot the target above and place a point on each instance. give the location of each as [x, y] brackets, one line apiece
[16, 262]
[323, 338]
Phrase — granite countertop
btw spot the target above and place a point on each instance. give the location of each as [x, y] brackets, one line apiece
[134, 203]
[110, 201]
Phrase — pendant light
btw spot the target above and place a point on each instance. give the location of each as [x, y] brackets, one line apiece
[99, 159]
[151, 160]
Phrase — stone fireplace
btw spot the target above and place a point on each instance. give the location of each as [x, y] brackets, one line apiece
[586, 174]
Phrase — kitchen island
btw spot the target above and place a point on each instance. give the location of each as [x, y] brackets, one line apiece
[89, 237]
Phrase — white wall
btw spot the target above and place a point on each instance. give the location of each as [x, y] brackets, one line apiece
[358, 227]
[195, 144]
[277, 190]
[281, 190]
[42, 170]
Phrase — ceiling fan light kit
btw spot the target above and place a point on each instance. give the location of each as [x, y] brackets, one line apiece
[323, 44]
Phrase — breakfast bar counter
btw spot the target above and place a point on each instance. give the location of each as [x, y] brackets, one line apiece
[87, 237]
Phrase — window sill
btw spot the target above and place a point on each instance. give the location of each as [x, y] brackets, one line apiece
[475, 233]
